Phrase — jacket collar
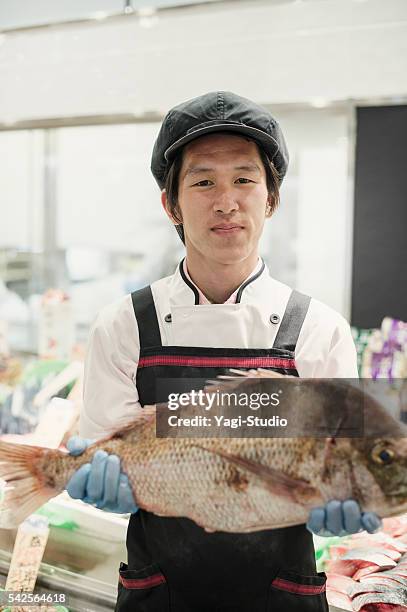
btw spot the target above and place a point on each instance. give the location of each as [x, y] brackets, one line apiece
[184, 292]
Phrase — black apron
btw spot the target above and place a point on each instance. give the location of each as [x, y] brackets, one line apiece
[176, 566]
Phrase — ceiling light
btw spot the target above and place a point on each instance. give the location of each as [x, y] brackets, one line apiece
[8, 121]
[147, 17]
[147, 11]
[319, 102]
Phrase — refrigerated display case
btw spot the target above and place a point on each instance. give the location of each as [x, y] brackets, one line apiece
[82, 555]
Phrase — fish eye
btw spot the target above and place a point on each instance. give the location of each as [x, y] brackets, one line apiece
[382, 455]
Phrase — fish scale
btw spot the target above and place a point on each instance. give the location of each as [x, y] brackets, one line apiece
[233, 484]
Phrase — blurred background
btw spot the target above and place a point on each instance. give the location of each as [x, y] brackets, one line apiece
[84, 85]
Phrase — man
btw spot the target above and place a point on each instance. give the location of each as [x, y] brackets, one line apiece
[219, 160]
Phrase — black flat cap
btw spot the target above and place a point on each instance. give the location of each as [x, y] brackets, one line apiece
[217, 111]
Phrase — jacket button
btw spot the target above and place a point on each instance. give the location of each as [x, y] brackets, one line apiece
[168, 318]
[274, 318]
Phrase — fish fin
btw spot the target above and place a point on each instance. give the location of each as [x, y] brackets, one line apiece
[294, 489]
[224, 385]
[263, 373]
[236, 375]
[232, 384]
[238, 372]
[258, 373]
[142, 417]
[239, 379]
[25, 487]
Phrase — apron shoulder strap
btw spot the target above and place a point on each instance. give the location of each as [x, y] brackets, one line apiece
[146, 315]
[290, 327]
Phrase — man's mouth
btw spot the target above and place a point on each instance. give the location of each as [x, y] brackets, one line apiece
[226, 228]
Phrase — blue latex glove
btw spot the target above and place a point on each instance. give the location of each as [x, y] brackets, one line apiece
[100, 483]
[339, 518]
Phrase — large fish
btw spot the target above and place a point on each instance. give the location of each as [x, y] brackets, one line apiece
[236, 484]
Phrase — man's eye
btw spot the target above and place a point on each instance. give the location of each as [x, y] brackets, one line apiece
[244, 180]
[203, 183]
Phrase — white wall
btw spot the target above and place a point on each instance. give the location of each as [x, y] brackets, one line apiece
[272, 53]
[106, 195]
[308, 241]
[21, 189]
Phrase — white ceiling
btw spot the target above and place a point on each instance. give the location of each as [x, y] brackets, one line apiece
[316, 51]
[26, 13]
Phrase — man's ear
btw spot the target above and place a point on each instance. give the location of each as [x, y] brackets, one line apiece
[166, 207]
[269, 207]
[164, 200]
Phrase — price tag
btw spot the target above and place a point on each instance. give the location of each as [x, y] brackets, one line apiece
[32, 536]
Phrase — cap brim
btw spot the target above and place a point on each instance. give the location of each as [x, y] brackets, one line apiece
[268, 142]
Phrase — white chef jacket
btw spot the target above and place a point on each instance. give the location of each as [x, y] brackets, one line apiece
[325, 348]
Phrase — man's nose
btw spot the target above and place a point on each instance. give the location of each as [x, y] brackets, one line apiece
[225, 201]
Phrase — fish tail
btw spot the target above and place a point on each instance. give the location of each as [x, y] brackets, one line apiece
[25, 485]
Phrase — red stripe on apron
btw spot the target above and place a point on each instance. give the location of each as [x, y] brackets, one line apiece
[298, 589]
[142, 583]
[204, 362]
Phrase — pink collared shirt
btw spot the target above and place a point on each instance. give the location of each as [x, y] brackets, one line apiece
[232, 299]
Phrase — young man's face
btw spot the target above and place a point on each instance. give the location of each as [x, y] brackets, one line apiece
[222, 197]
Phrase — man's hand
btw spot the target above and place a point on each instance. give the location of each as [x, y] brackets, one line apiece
[342, 518]
[100, 483]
